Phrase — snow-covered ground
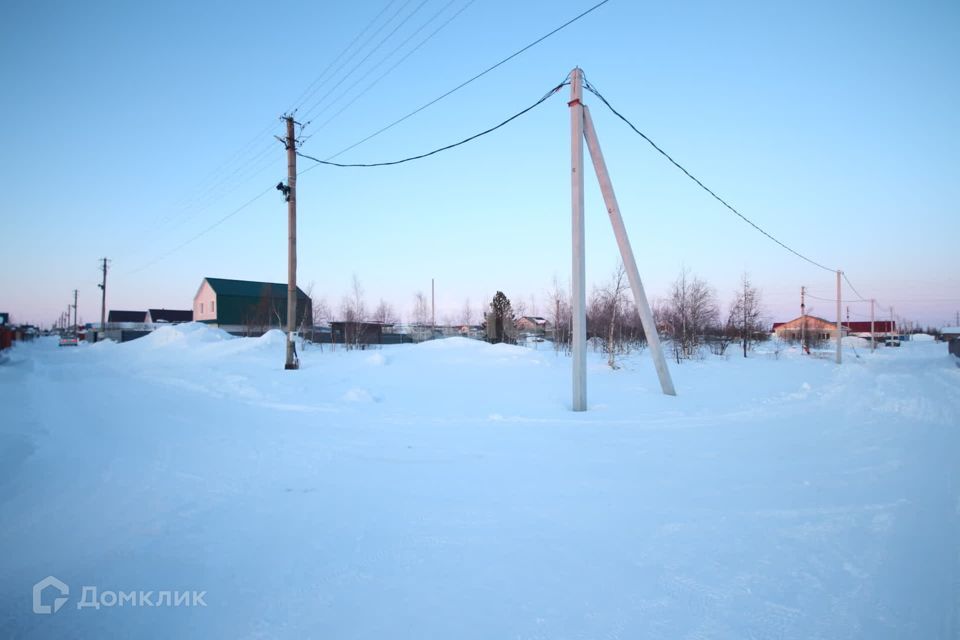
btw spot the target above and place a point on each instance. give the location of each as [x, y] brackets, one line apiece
[445, 490]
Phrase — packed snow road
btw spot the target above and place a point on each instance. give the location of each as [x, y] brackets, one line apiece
[445, 490]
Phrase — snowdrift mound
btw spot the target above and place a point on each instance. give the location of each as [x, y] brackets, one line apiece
[182, 335]
[272, 338]
[855, 342]
[469, 345]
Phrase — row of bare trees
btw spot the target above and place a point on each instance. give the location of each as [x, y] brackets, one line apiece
[688, 319]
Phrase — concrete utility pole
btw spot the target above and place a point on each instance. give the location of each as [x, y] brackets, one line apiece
[291, 144]
[626, 253]
[873, 334]
[839, 321]
[103, 300]
[579, 296]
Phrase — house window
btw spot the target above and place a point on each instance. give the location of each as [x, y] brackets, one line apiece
[201, 307]
[213, 306]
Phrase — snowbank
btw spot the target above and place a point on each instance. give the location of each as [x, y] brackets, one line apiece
[446, 490]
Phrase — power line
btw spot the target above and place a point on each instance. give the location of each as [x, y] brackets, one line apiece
[467, 82]
[810, 295]
[595, 92]
[852, 288]
[378, 164]
[444, 148]
[309, 92]
[353, 70]
[205, 231]
[206, 193]
[398, 62]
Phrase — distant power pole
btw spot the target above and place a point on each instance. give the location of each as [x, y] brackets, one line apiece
[873, 335]
[75, 312]
[103, 298]
[291, 194]
[803, 319]
[839, 321]
[433, 309]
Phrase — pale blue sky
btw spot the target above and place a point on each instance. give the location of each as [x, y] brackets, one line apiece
[129, 127]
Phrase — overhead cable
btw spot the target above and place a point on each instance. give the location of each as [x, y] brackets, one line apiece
[438, 150]
[470, 80]
[595, 92]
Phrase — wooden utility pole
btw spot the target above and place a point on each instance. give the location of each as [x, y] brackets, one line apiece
[291, 144]
[579, 296]
[103, 300]
[626, 254]
[839, 321]
[873, 335]
[803, 316]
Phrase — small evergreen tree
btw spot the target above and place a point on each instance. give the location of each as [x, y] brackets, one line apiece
[501, 313]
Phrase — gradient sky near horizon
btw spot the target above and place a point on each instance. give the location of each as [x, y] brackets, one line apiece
[129, 128]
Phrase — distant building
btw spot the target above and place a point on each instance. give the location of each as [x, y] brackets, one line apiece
[533, 324]
[882, 328]
[6, 335]
[126, 317]
[952, 336]
[247, 307]
[812, 326]
[357, 332]
[824, 329]
[171, 316]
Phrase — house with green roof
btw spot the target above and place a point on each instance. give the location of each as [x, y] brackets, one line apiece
[247, 307]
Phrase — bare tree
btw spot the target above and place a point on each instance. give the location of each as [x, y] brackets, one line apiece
[519, 308]
[384, 313]
[421, 314]
[353, 312]
[560, 316]
[321, 313]
[466, 313]
[689, 313]
[359, 305]
[606, 314]
[746, 315]
[258, 319]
